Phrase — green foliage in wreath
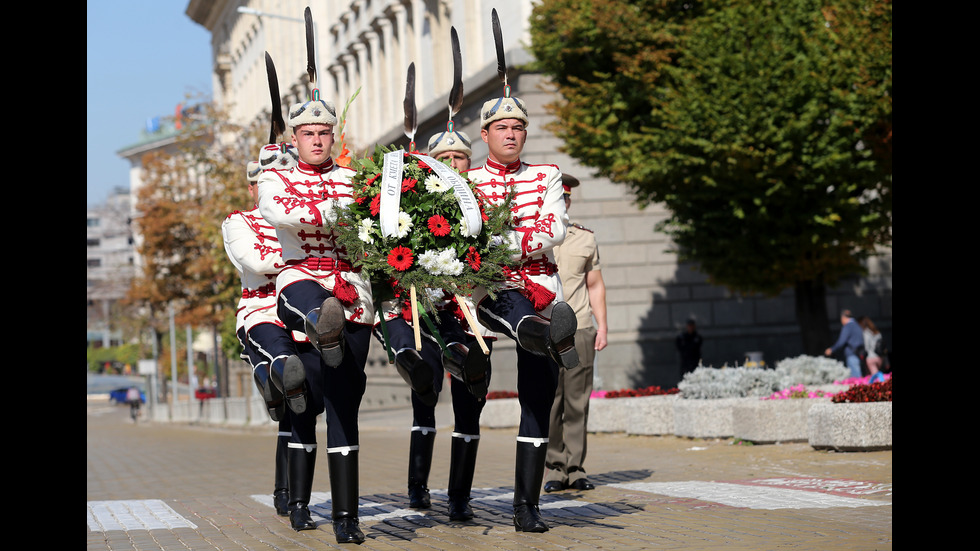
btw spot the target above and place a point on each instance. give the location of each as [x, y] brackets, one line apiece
[430, 250]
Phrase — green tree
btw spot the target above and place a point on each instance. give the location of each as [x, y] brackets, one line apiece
[764, 127]
[187, 191]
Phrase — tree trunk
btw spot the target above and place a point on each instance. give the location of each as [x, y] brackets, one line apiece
[811, 314]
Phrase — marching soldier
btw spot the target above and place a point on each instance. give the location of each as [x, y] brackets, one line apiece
[321, 295]
[252, 246]
[530, 308]
[466, 363]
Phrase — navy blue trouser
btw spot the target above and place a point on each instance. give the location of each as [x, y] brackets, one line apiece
[537, 376]
[340, 388]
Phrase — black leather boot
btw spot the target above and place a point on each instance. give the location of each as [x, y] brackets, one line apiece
[419, 464]
[343, 496]
[468, 365]
[527, 487]
[280, 497]
[289, 377]
[418, 374]
[325, 329]
[555, 338]
[273, 396]
[301, 467]
[462, 464]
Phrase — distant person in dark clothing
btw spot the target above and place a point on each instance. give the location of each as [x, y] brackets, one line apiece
[851, 338]
[689, 345]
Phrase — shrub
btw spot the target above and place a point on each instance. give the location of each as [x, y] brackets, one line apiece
[810, 370]
[729, 382]
[874, 392]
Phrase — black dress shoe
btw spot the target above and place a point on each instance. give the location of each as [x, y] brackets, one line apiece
[582, 484]
[300, 519]
[347, 531]
[280, 499]
[527, 518]
[554, 486]
[418, 497]
[459, 509]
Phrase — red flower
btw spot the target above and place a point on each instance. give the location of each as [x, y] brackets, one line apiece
[438, 225]
[473, 259]
[408, 184]
[400, 258]
[375, 205]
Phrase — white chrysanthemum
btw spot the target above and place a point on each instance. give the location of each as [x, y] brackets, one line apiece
[434, 184]
[448, 264]
[404, 224]
[364, 232]
[429, 260]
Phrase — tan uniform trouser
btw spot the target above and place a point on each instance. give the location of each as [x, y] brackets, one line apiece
[570, 414]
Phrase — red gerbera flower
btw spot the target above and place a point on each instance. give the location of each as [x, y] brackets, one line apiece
[438, 225]
[408, 184]
[473, 259]
[375, 205]
[400, 258]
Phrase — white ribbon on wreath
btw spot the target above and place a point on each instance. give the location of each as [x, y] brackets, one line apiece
[391, 182]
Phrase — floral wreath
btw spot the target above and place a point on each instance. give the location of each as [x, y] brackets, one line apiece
[431, 247]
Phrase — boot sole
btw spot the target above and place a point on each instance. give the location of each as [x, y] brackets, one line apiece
[475, 373]
[294, 382]
[329, 328]
[563, 327]
[420, 379]
[271, 395]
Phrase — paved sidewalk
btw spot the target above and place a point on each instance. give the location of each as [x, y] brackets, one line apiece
[157, 486]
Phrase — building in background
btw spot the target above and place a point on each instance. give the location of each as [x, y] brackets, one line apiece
[367, 45]
[110, 260]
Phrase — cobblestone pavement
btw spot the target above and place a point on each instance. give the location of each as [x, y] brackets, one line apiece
[160, 486]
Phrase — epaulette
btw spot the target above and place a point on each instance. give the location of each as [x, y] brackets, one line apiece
[581, 227]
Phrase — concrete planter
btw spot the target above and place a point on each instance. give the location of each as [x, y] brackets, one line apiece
[501, 413]
[706, 418]
[651, 415]
[642, 415]
[609, 414]
[850, 426]
[771, 421]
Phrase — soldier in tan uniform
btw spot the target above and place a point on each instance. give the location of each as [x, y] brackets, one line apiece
[585, 292]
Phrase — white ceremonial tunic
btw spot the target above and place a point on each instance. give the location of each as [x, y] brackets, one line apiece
[539, 221]
[253, 247]
[301, 203]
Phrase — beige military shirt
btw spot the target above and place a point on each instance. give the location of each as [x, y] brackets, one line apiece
[576, 256]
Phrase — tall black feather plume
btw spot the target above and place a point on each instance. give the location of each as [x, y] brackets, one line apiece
[411, 114]
[456, 93]
[310, 49]
[498, 40]
[278, 124]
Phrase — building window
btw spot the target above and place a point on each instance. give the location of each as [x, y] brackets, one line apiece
[93, 222]
[94, 262]
[93, 241]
